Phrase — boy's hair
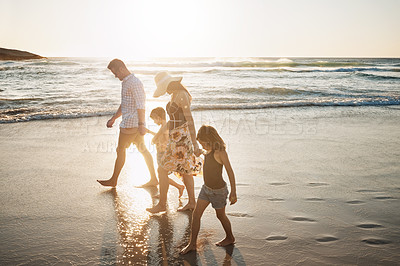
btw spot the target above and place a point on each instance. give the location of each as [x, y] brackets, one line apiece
[116, 64]
[209, 134]
[159, 112]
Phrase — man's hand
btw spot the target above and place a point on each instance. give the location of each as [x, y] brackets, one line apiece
[233, 198]
[142, 130]
[110, 122]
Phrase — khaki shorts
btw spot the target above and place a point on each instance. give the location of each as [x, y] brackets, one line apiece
[127, 136]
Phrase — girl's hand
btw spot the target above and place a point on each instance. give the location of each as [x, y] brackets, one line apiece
[232, 198]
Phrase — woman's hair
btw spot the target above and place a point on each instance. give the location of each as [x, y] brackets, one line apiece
[175, 86]
[159, 112]
[209, 134]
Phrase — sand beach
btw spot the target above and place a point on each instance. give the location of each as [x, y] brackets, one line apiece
[316, 186]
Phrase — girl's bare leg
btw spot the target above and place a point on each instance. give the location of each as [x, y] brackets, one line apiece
[226, 224]
[195, 228]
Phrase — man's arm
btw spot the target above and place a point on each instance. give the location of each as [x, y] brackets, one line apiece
[115, 116]
[141, 115]
[140, 100]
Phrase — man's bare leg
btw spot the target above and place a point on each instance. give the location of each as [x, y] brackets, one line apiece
[119, 163]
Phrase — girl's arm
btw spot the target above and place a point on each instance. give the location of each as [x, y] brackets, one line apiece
[183, 101]
[225, 161]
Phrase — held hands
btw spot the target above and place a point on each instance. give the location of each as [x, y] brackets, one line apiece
[233, 197]
[142, 130]
[110, 122]
[197, 150]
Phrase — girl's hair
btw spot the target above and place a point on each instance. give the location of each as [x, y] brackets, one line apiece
[209, 135]
[175, 86]
[159, 112]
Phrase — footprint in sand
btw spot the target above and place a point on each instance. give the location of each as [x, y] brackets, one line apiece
[276, 199]
[355, 202]
[239, 214]
[242, 185]
[279, 184]
[367, 190]
[314, 184]
[325, 239]
[369, 226]
[314, 199]
[276, 238]
[302, 219]
[376, 241]
[384, 197]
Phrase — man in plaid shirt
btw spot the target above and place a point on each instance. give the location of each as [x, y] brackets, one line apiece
[132, 127]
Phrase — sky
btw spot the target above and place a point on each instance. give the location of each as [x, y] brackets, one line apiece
[210, 28]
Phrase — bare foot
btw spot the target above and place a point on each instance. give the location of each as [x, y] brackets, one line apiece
[181, 189]
[108, 183]
[187, 207]
[156, 209]
[225, 242]
[149, 184]
[187, 249]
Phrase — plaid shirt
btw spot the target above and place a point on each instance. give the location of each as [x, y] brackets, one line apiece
[132, 98]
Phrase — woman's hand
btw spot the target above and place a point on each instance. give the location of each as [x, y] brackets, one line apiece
[197, 150]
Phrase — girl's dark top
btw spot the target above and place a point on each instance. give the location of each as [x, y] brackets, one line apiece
[176, 116]
[212, 172]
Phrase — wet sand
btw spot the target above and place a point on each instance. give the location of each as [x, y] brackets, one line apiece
[316, 186]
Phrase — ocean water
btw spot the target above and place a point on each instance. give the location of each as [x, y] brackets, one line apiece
[77, 87]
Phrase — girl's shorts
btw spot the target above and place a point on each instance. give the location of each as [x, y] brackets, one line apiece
[217, 197]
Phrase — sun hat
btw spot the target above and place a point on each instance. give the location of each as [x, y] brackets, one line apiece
[162, 80]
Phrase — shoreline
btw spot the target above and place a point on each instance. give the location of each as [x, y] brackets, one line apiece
[315, 186]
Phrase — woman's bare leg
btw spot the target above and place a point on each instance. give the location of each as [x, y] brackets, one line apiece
[189, 183]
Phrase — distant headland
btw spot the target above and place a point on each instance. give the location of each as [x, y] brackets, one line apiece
[9, 54]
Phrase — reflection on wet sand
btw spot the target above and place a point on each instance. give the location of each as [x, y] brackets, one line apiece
[146, 239]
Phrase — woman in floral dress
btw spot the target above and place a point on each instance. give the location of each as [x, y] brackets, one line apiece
[181, 155]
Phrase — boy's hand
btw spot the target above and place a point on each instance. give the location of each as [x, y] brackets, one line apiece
[233, 198]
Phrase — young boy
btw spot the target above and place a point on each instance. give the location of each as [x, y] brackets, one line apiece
[159, 117]
[214, 190]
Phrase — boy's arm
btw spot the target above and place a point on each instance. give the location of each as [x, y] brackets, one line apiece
[225, 161]
[151, 132]
[160, 132]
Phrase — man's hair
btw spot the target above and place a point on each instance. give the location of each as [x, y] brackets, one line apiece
[116, 64]
[209, 135]
[159, 112]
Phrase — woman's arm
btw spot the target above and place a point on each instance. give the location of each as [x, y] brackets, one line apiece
[182, 100]
[225, 161]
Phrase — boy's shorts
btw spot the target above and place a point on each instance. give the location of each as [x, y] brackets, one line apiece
[159, 156]
[217, 197]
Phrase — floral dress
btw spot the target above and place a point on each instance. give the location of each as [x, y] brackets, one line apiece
[179, 155]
